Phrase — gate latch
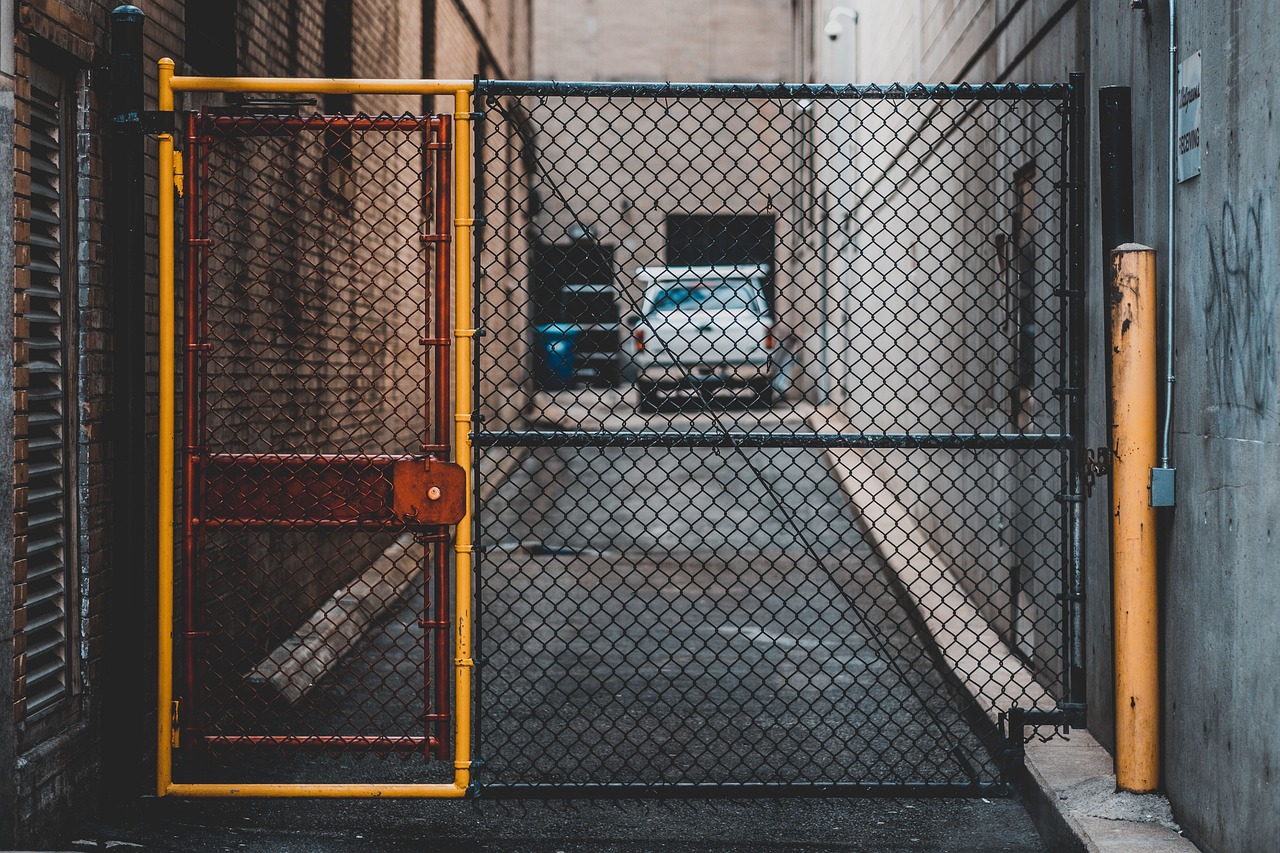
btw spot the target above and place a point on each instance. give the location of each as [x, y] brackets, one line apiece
[429, 492]
[1097, 463]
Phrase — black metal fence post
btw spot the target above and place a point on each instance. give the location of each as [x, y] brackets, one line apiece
[1074, 703]
[1115, 202]
[127, 715]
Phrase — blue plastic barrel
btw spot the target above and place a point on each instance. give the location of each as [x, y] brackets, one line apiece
[556, 346]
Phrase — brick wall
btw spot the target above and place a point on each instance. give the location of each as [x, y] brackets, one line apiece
[59, 754]
[57, 747]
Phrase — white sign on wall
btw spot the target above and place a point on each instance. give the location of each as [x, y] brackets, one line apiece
[1188, 139]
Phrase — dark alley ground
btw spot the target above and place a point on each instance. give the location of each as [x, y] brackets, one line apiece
[794, 826]
[737, 629]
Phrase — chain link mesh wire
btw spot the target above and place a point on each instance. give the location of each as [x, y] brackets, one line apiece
[774, 453]
[313, 364]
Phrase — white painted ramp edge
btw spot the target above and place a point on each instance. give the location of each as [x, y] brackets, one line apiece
[346, 617]
[974, 653]
[304, 658]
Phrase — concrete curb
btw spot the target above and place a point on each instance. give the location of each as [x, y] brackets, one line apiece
[968, 646]
[1069, 786]
[340, 623]
[1070, 792]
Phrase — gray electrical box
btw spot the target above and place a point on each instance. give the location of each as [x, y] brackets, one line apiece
[1162, 486]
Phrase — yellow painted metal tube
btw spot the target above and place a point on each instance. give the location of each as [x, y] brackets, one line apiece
[464, 336]
[320, 85]
[296, 789]
[464, 332]
[164, 756]
[1133, 453]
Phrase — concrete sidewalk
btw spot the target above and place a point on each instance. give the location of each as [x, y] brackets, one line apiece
[1069, 784]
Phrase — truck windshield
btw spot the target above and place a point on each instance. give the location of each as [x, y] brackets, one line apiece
[734, 294]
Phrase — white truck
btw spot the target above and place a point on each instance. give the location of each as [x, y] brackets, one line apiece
[703, 332]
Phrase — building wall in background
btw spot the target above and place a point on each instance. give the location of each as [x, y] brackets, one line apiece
[929, 230]
[609, 172]
[718, 41]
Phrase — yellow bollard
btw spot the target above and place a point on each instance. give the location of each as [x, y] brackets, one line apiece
[1133, 541]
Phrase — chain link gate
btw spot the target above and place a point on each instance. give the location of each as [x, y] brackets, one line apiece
[311, 627]
[306, 448]
[778, 435]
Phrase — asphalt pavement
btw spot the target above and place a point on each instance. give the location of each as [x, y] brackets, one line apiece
[655, 616]
[666, 617]
[790, 825]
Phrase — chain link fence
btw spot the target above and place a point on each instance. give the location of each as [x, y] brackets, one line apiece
[779, 396]
[777, 452]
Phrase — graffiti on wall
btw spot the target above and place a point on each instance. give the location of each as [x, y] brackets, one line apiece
[1240, 311]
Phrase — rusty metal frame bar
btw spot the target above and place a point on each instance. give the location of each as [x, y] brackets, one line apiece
[170, 172]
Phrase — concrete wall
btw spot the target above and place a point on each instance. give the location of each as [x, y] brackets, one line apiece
[1219, 547]
[1218, 550]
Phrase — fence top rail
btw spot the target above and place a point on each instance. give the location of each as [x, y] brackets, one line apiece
[320, 85]
[789, 91]
[865, 441]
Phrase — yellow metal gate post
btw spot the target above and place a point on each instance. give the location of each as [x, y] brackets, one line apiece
[463, 335]
[1133, 450]
[164, 754]
[166, 729]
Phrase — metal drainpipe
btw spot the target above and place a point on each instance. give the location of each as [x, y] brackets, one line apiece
[6, 38]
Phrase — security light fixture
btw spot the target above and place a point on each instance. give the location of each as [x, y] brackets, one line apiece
[834, 28]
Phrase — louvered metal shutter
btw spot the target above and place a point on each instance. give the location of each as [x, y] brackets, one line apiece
[49, 528]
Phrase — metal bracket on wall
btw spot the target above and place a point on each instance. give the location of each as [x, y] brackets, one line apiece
[146, 122]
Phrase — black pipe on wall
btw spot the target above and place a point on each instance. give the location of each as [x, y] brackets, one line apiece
[128, 634]
[1115, 155]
